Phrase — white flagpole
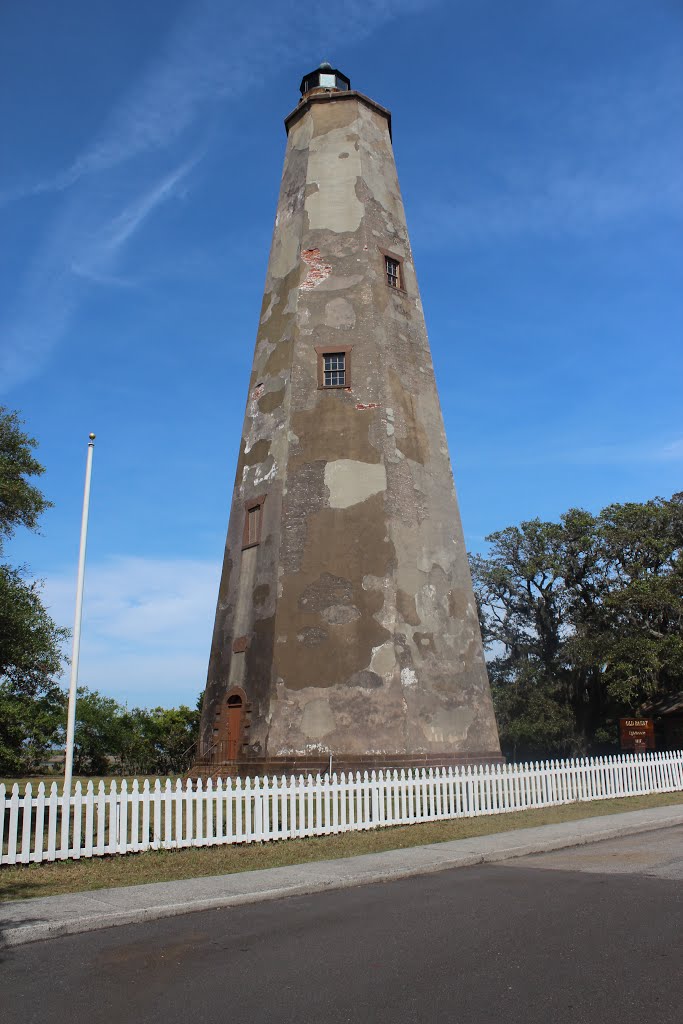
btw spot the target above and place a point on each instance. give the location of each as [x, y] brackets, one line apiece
[71, 718]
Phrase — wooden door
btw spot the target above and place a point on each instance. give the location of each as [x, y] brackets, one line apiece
[234, 729]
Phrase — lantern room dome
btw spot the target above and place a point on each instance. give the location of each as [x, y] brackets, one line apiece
[325, 78]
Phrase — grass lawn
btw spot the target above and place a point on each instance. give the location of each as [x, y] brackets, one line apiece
[29, 880]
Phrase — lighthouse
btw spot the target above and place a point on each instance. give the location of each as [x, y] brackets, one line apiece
[346, 625]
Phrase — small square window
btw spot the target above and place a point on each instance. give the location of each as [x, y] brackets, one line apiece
[334, 366]
[393, 269]
[334, 370]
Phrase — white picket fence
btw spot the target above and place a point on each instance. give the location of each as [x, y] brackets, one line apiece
[93, 822]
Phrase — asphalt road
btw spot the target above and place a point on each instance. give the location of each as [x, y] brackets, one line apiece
[593, 934]
[656, 855]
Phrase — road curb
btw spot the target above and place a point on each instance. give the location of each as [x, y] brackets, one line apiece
[20, 922]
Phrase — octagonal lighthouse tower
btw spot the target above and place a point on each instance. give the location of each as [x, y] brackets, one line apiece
[346, 623]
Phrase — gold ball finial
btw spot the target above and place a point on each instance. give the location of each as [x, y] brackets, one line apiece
[91, 436]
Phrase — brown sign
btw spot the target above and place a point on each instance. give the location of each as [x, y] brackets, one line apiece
[637, 734]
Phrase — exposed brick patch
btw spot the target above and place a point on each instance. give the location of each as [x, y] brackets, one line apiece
[240, 645]
[318, 270]
[370, 405]
[256, 393]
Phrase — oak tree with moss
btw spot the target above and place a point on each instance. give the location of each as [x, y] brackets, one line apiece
[583, 620]
[31, 702]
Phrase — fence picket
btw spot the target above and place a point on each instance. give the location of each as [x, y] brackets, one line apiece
[89, 818]
[144, 800]
[335, 803]
[229, 808]
[274, 809]
[219, 797]
[239, 811]
[195, 831]
[288, 790]
[27, 810]
[156, 826]
[3, 805]
[209, 813]
[374, 798]
[66, 822]
[134, 817]
[100, 811]
[122, 831]
[318, 814]
[345, 809]
[309, 805]
[52, 817]
[114, 818]
[39, 829]
[78, 821]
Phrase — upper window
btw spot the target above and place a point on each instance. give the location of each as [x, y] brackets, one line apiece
[253, 524]
[334, 370]
[393, 269]
[253, 521]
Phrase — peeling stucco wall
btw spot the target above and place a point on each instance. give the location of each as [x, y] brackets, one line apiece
[358, 607]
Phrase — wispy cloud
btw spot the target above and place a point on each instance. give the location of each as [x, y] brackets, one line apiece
[615, 160]
[623, 453]
[213, 53]
[133, 216]
[82, 246]
[673, 450]
[574, 202]
[89, 273]
[97, 254]
[544, 453]
[146, 628]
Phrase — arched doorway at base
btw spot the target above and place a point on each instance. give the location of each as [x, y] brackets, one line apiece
[228, 727]
[235, 715]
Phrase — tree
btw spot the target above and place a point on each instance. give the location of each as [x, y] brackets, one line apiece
[30, 724]
[30, 642]
[21, 503]
[98, 735]
[159, 741]
[584, 619]
[635, 631]
[522, 600]
[110, 739]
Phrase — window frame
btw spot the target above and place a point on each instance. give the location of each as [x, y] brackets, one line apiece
[330, 350]
[388, 255]
[249, 506]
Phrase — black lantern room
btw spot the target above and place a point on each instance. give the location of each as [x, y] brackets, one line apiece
[325, 77]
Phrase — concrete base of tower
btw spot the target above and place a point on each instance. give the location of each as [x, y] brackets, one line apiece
[320, 764]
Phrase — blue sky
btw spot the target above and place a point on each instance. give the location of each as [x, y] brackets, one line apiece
[539, 151]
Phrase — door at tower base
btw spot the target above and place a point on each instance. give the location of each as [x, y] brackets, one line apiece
[346, 623]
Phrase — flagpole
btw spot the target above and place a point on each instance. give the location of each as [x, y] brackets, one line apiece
[71, 717]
